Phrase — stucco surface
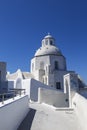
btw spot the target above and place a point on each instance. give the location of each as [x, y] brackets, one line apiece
[12, 112]
[48, 118]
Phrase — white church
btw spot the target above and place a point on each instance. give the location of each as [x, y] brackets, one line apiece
[50, 88]
[49, 80]
[49, 65]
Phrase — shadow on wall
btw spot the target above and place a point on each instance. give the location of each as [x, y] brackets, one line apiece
[27, 122]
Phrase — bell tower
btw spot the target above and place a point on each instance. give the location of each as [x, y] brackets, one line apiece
[48, 40]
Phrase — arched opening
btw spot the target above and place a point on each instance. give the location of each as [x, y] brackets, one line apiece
[51, 42]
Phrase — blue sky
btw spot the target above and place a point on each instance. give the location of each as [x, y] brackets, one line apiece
[24, 23]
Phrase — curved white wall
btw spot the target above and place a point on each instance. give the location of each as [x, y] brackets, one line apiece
[35, 85]
[80, 105]
[13, 112]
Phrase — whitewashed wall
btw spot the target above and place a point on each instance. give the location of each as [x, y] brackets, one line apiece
[53, 75]
[80, 106]
[53, 97]
[31, 86]
[13, 112]
[34, 89]
[26, 85]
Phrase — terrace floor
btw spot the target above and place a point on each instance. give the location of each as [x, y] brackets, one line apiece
[46, 117]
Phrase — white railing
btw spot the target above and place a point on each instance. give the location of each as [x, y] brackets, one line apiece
[11, 94]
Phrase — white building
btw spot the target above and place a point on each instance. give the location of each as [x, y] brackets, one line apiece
[50, 83]
[49, 80]
[49, 64]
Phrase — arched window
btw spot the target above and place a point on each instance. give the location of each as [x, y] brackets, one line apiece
[56, 65]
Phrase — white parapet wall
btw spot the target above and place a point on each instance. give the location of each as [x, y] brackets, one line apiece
[70, 85]
[31, 86]
[12, 112]
[80, 106]
[26, 84]
[53, 97]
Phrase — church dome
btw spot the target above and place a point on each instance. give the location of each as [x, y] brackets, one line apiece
[48, 50]
[48, 47]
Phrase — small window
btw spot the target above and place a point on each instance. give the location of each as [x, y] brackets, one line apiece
[58, 85]
[56, 65]
[66, 100]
